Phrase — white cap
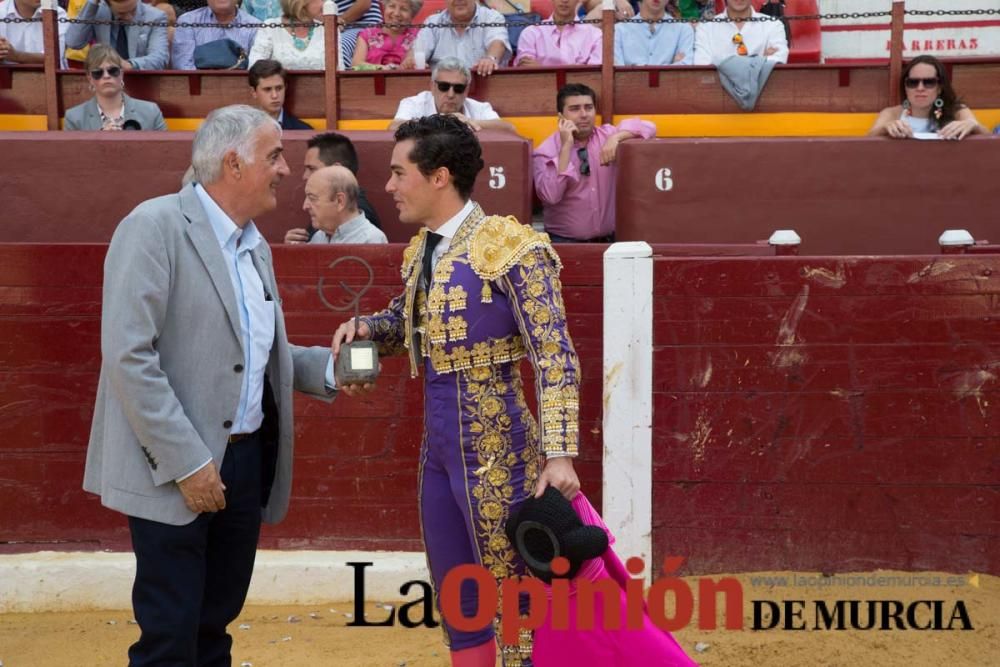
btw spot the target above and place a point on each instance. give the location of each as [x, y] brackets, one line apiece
[784, 237]
[330, 8]
[956, 237]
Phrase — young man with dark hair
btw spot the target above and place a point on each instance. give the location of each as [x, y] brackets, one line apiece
[574, 169]
[268, 88]
[327, 150]
[481, 294]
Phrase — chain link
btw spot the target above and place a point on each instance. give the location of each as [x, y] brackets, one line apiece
[718, 19]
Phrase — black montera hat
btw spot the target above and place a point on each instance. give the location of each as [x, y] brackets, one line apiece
[543, 528]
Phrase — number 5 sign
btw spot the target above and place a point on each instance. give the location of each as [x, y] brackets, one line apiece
[497, 178]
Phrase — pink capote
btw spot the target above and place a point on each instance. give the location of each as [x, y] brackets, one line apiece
[599, 647]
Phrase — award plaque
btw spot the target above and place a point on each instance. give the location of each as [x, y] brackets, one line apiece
[357, 362]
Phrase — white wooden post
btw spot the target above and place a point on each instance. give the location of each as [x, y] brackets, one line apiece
[628, 398]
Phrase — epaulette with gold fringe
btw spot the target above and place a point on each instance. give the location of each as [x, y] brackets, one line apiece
[499, 243]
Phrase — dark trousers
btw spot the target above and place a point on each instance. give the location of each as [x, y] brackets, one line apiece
[191, 581]
[555, 238]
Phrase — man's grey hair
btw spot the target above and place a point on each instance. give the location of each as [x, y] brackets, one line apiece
[451, 64]
[232, 128]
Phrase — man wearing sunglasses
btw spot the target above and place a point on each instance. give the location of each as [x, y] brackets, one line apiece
[449, 92]
[746, 33]
[22, 43]
[574, 169]
[137, 31]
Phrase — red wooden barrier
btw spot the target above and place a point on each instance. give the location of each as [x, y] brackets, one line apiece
[810, 413]
[826, 414]
[77, 186]
[871, 196]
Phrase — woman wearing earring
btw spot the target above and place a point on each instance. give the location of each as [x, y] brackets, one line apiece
[110, 108]
[930, 106]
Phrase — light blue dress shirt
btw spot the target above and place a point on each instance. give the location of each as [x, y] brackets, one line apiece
[186, 39]
[636, 45]
[255, 305]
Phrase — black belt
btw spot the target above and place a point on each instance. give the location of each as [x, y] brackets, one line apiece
[239, 437]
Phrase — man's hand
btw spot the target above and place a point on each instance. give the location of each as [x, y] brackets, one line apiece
[5, 49]
[609, 151]
[679, 57]
[770, 51]
[408, 61]
[559, 474]
[204, 490]
[476, 127]
[566, 130]
[297, 235]
[485, 66]
[899, 129]
[347, 333]
[526, 61]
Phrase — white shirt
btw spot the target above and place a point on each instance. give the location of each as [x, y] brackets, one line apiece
[278, 44]
[422, 104]
[713, 42]
[27, 37]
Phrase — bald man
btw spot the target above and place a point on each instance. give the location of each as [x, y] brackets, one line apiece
[332, 204]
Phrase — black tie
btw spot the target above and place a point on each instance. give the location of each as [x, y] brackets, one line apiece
[121, 44]
[429, 245]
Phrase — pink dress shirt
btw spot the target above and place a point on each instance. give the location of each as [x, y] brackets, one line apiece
[577, 206]
[570, 44]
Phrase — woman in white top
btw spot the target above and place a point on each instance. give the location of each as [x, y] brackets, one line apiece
[294, 46]
[931, 106]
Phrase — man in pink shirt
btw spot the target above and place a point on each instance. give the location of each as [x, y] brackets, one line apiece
[565, 43]
[574, 169]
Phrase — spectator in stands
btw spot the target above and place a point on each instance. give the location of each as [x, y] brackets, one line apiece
[568, 42]
[187, 40]
[386, 45]
[267, 88]
[930, 106]
[294, 46]
[640, 41]
[481, 49]
[170, 12]
[624, 9]
[141, 46]
[332, 204]
[739, 36]
[110, 108]
[574, 169]
[449, 94]
[328, 150]
[22, 43]
[357, 14]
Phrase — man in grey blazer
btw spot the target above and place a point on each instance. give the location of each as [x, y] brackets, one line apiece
[192, 430]
[140, 46]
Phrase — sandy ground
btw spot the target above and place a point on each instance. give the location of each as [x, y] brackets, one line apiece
[318, 636]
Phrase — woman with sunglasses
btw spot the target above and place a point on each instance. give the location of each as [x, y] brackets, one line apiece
[930, 106]
[110, 108]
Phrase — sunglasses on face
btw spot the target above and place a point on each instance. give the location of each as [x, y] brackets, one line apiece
[459, 88]
[98, 74]
[741, 47]
[584, 161]
[913, 84]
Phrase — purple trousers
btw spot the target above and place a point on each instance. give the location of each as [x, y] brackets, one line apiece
[479, 458]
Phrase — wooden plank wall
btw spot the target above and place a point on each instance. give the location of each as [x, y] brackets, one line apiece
[355, 466]
[513, 91]
[827, 414]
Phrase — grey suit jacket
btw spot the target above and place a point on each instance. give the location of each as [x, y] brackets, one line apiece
[147, 45]
[171, 367]
[87, 116]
